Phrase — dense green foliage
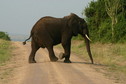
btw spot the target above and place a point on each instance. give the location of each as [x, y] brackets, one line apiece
[99, 22]
[4, 36]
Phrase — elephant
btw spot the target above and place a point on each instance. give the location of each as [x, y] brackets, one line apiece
[50, 31]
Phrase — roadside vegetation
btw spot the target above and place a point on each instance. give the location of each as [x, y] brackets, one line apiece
[5, 51]
[113, 56]
[4, 36]
[106, 20]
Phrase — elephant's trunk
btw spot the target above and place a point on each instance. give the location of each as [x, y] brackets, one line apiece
[87, 41]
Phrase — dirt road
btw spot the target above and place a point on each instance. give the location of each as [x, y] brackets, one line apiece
[46, 72]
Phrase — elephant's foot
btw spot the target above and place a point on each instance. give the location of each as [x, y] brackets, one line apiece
[67, 61]
[61, 56]
[32, 61]
[53, 59]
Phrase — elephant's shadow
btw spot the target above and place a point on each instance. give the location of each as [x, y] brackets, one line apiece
[88, 63]
[76, 62]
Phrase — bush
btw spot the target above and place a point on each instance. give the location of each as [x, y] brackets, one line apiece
[120, 31]
[105, 31]
[4, 36]
[100, 24]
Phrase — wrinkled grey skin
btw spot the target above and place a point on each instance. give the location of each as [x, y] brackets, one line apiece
[50, 31]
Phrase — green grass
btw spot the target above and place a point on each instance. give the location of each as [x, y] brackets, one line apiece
[5, 51]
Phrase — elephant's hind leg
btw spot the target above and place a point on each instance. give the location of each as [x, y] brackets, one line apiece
[52, 56]
[35, 47]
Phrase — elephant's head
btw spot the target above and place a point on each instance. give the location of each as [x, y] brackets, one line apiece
[79, 26]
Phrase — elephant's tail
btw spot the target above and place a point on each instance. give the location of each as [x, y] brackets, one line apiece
[27, 39]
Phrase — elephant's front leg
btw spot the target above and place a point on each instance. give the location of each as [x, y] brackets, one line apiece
[67, 47]
[52, 56]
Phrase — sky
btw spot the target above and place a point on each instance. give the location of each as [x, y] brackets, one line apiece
[19, 16]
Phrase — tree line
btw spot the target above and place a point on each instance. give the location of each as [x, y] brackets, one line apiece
[106, 20]
[4, 35]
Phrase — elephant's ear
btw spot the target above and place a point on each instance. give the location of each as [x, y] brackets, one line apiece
[73, 24]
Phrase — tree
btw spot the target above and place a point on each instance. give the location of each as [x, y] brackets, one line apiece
[112, 7]
[106, 20]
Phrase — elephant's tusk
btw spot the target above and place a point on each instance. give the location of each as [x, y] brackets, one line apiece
[87, 37]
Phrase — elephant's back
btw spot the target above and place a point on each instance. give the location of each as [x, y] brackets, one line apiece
[46, 29]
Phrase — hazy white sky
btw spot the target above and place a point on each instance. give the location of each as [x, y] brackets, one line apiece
[18, 16]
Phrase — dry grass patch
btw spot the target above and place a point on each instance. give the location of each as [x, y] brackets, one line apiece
[112, 56]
